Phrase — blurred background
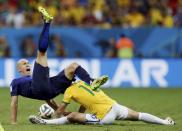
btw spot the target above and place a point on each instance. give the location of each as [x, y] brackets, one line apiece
[138, 43]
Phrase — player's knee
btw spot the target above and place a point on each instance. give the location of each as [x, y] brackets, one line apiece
[72, 117]
[72, 67]
[132, 115]
[70, 70]
[42, 59]
[40, 54]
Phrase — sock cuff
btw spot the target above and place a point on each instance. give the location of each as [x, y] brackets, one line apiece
[47, 23]
[140, 116]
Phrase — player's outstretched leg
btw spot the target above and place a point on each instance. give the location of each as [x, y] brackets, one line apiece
[146, 117]
[40, 78]
[75, 69]
[95, 83]
[154, 119]
[57, 121]
[123, 113]
[44, 38]
[73, 117]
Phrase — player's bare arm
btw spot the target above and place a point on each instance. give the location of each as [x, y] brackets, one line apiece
[14, 109]
[61, 109]
[52, 104]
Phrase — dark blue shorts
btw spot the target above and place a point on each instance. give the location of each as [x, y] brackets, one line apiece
[60, 82]
[50, 87]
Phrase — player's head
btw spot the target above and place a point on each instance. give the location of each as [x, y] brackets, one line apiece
[24, 67]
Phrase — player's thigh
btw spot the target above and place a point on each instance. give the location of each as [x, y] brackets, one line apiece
[61, 80]
[109, 117]
[126, 113]
[40, 77]
[122, 111]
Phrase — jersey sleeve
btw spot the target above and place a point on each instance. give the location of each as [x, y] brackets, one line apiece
[13, 89]
[67, 96]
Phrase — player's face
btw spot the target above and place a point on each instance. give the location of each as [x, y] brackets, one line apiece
[24, 67]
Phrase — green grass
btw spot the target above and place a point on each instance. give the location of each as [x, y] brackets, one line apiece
[161, 102]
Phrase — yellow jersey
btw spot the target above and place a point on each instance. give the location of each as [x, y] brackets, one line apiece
[97, 102]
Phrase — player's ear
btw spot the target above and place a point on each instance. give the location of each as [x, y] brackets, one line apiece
[18, 69]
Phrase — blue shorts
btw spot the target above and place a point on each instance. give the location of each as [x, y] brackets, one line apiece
[48, 87]
[60, 82]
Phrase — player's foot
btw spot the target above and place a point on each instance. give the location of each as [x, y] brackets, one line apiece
[46, 16]
[98, 82]
[36, 120]
[170, 121]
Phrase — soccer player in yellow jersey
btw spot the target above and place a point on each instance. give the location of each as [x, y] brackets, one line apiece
[103, 109]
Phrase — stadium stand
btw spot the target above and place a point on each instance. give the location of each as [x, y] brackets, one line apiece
[152, 25]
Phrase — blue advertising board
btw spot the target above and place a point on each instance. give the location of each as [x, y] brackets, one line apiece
[122, 73]
[148, 42]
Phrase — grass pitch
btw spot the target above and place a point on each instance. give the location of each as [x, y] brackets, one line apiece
[160, 102]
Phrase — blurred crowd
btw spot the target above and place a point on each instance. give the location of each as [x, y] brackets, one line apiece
[111, 48]
[4, 47]
[88, 13]
[56, 47]
[93, 13]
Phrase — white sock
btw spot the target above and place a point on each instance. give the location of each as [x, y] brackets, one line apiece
[151, 118]
[57, 121]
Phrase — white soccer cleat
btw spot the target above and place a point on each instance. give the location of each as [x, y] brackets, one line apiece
[170, 121]
[36, 120]
[98, 82]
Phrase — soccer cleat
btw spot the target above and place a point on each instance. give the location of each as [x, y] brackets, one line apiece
[98, 82]
[1, 127]
[170, 121]
[46, 16]
[36, 120]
